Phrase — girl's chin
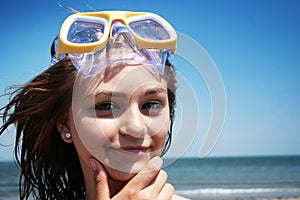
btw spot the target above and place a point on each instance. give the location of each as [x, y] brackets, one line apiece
[119, 175]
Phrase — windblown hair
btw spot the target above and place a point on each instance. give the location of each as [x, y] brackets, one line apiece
[50, 168]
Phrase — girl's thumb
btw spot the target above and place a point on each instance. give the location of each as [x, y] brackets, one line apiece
[100, 180]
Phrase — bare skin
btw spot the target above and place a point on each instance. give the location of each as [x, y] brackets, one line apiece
[129, 130]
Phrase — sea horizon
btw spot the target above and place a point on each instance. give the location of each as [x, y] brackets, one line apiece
[211, 156]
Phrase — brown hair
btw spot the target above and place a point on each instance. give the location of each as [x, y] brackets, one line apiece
[50, 168]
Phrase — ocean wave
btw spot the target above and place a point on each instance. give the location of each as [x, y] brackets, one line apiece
[240, 191]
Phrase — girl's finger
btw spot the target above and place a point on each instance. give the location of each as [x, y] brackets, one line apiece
[145, 176]
[166, 193]
[157, 185]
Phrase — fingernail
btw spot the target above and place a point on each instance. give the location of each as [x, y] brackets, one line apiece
[155, 163]
[94, 164]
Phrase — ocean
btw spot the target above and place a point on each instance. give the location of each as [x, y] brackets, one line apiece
[211, 178]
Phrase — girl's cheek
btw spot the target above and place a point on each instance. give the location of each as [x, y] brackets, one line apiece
[159, 125]
[99, 129]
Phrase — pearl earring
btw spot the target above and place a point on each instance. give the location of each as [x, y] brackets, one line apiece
[68, 135]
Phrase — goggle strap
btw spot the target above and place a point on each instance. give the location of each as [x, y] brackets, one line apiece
[54, 47]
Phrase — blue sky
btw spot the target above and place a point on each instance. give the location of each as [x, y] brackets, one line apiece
[255, 45]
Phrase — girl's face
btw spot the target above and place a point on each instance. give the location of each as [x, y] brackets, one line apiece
[121, 118]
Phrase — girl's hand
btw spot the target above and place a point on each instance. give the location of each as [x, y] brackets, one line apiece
[149, 183]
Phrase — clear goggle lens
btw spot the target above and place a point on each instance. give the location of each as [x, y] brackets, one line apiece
[88, 32]
[149, 29]
[85, 32]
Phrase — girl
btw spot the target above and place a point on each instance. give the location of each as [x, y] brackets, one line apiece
[95, 123]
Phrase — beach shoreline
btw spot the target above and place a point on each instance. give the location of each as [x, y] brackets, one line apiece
[250, 198]
[271, 198]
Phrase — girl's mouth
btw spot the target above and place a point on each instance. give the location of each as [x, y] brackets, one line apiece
[136, 149]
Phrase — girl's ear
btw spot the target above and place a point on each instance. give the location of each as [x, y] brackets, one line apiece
[64, 132]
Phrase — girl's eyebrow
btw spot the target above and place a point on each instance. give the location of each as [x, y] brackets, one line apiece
[110, 94]
[155, 91]
[147, 92]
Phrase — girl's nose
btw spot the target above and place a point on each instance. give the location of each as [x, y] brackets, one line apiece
[133, 123]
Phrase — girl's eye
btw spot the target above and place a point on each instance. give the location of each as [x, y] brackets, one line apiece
[106, 109]
[105, 106]
[152, 107]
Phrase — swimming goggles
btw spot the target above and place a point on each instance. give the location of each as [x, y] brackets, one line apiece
[96, 40]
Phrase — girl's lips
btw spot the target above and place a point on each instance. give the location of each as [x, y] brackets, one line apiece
[136, 149]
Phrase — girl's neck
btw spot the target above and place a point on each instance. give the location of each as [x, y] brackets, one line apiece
[115, 186]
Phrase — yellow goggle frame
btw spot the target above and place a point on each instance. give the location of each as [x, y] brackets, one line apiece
[106, 18]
